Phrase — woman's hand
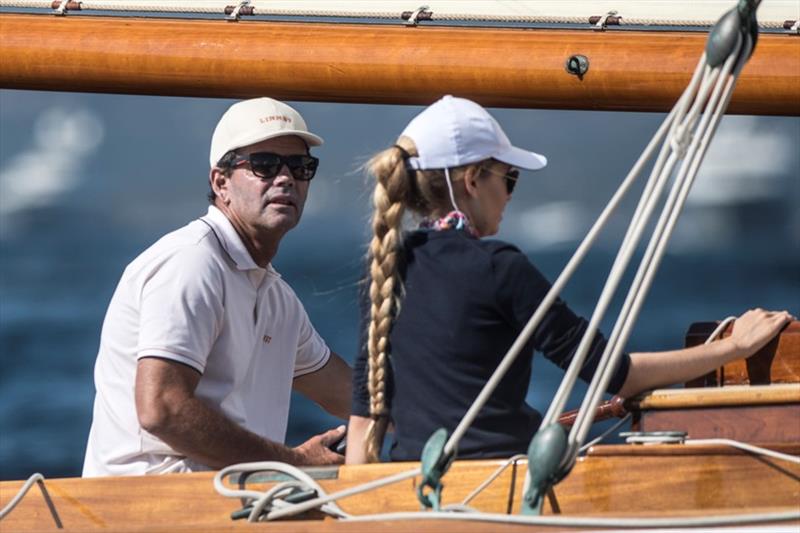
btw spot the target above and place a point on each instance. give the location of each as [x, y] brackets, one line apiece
[751, 332]
[755, 328]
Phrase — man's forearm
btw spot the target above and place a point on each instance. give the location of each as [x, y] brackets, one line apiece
[208, 437]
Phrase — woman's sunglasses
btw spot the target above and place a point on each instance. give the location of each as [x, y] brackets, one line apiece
[267, 165]
[511, 178]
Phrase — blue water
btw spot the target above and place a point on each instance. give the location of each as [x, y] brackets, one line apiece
[61, 254]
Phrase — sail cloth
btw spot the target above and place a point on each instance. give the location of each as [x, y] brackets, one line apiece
[772, 15]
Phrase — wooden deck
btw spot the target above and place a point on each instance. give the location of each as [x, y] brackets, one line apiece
[614, 480]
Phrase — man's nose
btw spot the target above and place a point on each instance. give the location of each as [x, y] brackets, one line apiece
[284, 177]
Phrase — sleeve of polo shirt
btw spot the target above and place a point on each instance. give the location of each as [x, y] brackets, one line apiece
[181, 309]
[520, 289]
[312, 352]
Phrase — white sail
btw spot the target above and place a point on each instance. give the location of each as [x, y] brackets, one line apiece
[772, 13]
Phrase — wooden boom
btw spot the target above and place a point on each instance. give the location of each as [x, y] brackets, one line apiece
[633, 71]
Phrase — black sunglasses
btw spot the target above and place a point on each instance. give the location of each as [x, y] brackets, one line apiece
[510, 177]
[267, 165]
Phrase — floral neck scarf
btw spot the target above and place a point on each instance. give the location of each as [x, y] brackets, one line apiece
[452, 220]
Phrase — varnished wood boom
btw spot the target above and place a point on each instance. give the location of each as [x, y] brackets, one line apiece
[635, 71]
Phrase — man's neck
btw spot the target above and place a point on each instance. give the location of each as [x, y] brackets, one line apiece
[262, 246]
[261, 249]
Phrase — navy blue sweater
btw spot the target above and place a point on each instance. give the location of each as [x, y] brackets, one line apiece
[466, 301]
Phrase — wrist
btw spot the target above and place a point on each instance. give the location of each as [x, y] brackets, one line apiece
[733, 350]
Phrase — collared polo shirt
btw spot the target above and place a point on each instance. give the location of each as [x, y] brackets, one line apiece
[197, 297]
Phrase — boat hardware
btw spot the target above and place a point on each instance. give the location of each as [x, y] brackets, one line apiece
[712, 94]
[544, 466]
[413, 18]
[434, 464]
[61, 7]
[244, 8]
[577, 65]
[609, 20]
[602, 22]
[654, 437]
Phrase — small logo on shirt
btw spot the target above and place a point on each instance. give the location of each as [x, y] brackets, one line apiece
[267, 339]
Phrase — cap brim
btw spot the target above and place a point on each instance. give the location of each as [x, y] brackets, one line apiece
[517, 157]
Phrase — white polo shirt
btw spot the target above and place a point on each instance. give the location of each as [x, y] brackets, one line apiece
[197, 297]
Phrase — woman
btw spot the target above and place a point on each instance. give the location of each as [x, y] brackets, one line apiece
[445, 305]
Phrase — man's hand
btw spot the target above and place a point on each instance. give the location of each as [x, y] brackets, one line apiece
[317, 450]
[756, 328]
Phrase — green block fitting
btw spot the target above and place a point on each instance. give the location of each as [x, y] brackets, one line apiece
[434, 466]
[545, 454]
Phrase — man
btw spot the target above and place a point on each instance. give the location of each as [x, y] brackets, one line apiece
[203, 341]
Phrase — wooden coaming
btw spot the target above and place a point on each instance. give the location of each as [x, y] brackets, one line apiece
[754, 414]
[641, 71]
[618, 480]
[777, 362]
[754, 424]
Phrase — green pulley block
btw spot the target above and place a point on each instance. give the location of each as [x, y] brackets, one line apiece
[545, 454]
[434, 465]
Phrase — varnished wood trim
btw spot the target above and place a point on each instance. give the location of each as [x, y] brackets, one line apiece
[709, 397]
[631, 70]
[751, 423]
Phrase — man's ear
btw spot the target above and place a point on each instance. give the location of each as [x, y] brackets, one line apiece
[471, 176]
[219, 184]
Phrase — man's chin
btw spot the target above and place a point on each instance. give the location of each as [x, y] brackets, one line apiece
[284, 220]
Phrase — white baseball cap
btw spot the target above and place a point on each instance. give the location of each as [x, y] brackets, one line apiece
[455, 131]
[252, 121]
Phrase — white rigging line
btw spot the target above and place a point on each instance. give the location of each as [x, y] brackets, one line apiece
[39, 480]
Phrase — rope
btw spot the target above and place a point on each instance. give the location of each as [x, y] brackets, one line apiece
[552, 295]
[461, 511]
[288, 509]
[758, 450]
[720, 328]
[606, 433]
[270, 498]
[723, 81]
[39, 480]
[494, 475]
[588, 522]
[264, 9]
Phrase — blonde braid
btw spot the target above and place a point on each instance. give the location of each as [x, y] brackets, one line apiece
[389, 200]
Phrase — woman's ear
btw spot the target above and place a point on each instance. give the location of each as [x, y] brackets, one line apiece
[219, 184]
[472, 175]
